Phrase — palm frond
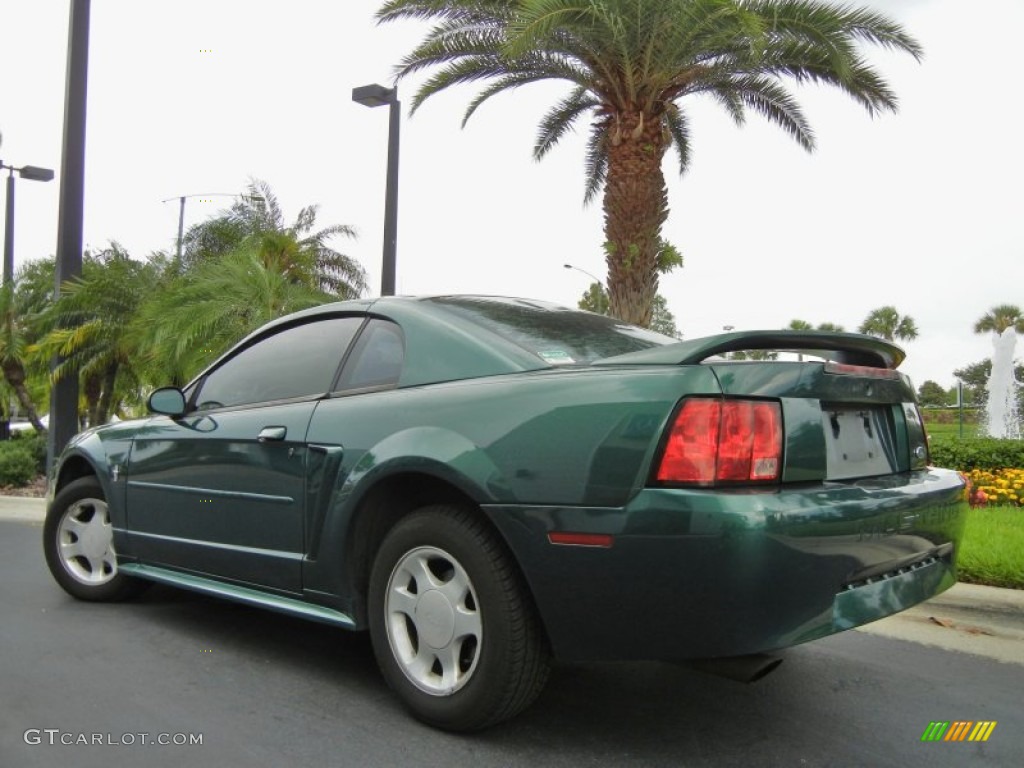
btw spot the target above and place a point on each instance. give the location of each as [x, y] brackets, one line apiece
[679, 130]
[596, 162]
[560, 119]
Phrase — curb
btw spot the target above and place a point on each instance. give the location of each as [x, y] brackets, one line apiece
[29, 508]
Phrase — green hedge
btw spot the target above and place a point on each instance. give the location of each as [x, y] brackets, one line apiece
[969, 453]
[18, 465]
[35, 444]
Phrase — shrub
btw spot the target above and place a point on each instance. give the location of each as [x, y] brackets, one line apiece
[17, 464]
[35, 444]
[985, 453]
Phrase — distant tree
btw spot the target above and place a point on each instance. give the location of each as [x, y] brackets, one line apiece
[1000, 318]
[256, 223]
[803, 325]
[887, 323]
[975, 378]
[754, 354]
[932, 394]
[595, 299]
[662, 320]
[631, 66]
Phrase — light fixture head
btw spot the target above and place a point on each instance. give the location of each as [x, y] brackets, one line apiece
[374, 95]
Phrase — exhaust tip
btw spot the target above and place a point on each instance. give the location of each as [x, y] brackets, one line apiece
[743, 669]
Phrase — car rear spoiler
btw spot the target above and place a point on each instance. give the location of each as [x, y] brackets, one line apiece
[846, 348]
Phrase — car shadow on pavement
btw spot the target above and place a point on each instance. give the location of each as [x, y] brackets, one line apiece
[826, 704]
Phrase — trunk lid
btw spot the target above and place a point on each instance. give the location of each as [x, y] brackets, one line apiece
[849, 416]
[840, 422]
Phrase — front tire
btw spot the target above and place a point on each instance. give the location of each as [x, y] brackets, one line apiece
[78, 542]
[451, 623]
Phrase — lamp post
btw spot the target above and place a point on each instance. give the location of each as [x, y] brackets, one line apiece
[181, 209]
[32, 173]
[70, 221]
[588, 274]
[377, 96]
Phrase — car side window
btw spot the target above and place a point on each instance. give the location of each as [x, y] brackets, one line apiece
[376, 359]
[299, 361]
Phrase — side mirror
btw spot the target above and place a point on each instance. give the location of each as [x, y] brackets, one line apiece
[169, 401]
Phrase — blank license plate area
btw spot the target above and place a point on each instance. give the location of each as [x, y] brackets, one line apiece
[854, 440]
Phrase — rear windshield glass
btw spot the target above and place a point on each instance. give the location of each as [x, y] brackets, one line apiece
[557, 335]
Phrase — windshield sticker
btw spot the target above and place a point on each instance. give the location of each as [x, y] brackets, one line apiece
[556, 356]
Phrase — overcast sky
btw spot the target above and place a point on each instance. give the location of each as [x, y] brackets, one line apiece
[921, 209]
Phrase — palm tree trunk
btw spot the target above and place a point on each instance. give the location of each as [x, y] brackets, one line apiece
[106, 394]
[14, 374]
[635, 207]
[91, 388]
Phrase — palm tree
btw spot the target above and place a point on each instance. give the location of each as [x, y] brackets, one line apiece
[663, 321]
[15, 342]
[834, 327]
[201, 313]
[1000, 318]
[256, 221]
[887, 323]
[803, 325]
[92, 329]
[630, 64]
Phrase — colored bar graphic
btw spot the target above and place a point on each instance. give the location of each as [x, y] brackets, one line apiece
[959, 730]
[982, 731]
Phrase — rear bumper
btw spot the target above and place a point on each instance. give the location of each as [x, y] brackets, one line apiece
[711, 573]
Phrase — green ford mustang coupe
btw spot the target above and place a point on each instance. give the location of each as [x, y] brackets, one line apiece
[487, 484]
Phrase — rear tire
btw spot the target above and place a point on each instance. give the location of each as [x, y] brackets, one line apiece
[78, 542]
[452, 625]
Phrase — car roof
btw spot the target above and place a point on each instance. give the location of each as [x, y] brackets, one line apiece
[440, 345]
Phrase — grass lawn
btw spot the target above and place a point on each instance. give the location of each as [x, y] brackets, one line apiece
[992, 552]
[949, 430]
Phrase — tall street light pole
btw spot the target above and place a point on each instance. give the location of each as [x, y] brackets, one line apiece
[33, 173]
[377, 96]
[64, 392]
[181, 209]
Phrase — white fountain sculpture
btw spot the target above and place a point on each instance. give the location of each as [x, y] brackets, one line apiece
[1002, 410]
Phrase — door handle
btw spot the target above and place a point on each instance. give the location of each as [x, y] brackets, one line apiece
[272, 434]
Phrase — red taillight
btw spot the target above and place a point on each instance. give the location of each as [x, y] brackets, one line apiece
[723, 441]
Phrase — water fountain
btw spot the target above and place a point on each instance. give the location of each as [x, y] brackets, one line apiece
[1002, 409]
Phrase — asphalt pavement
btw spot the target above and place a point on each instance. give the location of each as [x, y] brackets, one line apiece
[176, 679]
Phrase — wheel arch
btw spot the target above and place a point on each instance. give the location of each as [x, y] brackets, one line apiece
[391, 499]
[73, 468]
